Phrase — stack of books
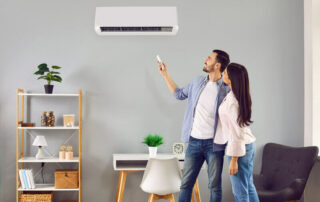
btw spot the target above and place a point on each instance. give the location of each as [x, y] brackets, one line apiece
[26, 179]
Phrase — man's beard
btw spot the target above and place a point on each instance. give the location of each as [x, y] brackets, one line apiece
[206, 70]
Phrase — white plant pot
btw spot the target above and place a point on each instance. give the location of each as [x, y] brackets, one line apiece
[153, 151]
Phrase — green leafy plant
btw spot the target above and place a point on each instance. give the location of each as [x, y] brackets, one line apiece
[153, 140]
[48, 75]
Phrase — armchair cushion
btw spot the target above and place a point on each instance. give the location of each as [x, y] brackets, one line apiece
[259, 182]
[284, 194]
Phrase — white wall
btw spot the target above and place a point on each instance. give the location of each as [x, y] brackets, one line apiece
[316, 70]
[308, 69]
[312, 90]
[312, 71]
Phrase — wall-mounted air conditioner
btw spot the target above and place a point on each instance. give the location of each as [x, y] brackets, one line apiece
[136, 21]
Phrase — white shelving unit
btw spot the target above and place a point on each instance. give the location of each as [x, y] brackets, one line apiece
[21, 159]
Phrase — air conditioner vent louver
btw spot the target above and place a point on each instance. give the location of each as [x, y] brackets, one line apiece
[136, 29]
[115, 21]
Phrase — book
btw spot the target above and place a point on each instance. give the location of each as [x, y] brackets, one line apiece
[30, 179]
[25, 179]
[23, 186]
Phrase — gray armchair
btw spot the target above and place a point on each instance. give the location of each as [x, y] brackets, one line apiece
[285, 171]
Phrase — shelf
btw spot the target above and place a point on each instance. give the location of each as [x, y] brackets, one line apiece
[46, 187]
[21, 107]
[50, 128]
[47, 160]
[49, 95]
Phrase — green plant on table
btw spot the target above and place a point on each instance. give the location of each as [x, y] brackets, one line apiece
[153, 140]
[48, 75]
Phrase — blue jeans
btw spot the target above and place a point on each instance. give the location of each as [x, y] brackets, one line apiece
[242, 182]
[197, 152]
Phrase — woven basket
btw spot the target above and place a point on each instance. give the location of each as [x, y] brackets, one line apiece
[66, 179]
[36, 197]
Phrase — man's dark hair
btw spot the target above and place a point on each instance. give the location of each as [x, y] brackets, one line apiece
[222, 58]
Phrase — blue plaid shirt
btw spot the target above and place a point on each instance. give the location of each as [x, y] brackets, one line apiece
[192, 92]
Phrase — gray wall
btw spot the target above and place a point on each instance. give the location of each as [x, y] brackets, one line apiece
[126, 98]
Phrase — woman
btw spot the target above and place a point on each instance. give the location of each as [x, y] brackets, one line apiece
[233, 129]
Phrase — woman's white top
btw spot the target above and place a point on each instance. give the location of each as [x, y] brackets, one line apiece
[228, 129]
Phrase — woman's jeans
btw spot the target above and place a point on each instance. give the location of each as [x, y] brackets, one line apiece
[199, 151]
[242, 182]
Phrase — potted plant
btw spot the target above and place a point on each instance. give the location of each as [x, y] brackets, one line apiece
[153, 141]
[48, 75]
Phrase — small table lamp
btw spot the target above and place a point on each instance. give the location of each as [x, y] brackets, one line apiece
[40, 141]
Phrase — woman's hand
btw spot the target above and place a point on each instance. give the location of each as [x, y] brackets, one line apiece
[233, 167]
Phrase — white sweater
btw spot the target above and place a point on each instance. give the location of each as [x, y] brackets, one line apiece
[228, 129]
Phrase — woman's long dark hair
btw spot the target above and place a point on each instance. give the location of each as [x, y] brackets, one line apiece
[238, 76]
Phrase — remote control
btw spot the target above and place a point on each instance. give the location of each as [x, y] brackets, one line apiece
[159, 60]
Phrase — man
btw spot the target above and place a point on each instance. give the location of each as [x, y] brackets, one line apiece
[204, 94]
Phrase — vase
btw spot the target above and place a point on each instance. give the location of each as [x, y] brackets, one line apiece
[153, 151]
[62, 155]
[69, 155]
[48, 89]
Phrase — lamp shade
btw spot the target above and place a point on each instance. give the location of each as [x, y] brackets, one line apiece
[40, 141]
